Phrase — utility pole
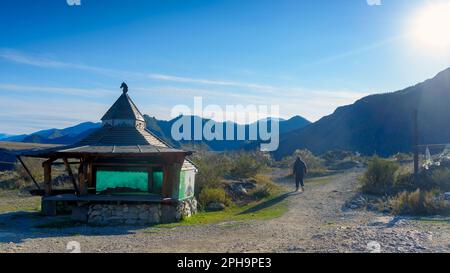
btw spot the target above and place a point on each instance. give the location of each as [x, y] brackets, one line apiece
[416, 143]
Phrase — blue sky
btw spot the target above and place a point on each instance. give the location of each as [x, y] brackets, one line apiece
[61, 65]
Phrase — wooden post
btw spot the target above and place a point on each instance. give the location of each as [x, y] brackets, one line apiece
[72, 177]
[150, 179]
[90, 174]
[82, 175]
[165, 186]
[171, 180]
[47, 177]
[416, 143]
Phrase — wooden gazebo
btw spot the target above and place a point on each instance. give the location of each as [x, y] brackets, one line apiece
[121, 162]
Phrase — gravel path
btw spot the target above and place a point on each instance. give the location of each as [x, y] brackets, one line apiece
[317, 221]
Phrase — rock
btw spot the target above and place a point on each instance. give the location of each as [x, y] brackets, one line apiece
[142, 214]
[215, 206]
[240, 188]
[447, 196]
[168, 213]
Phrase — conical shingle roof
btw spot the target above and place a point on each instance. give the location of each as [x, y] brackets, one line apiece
[123, 109]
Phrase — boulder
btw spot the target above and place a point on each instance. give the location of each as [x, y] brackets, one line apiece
[215, 206]
[447, 196]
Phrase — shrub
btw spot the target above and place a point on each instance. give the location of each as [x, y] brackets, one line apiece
[332, 157]
[209, 195]
[211, 169]
[440, 178]
[418, 202]
[264, 187]
[244, 165]
[379, 177]
[315, 164]
[404, 182]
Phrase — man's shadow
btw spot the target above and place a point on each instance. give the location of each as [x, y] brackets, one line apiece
[270, 202]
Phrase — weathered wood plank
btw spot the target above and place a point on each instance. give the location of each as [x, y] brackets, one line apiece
[72, 177]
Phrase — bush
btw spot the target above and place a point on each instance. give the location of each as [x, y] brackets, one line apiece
[212, 167]
[379, 177]
[440, 178]
[210, 195]
[315, 164]
[418, 202]
[244, 165]
[404, 182]
[264, 187]
[331, 157]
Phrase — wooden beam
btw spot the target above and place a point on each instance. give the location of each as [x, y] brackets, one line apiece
[28, 172]
[82, 178]
[126, 164]
[63, 163]
[47, 178]
[171, 179]
[90, 174]
[416, 143]
[72, 177]
[165, 186]
[150, 179]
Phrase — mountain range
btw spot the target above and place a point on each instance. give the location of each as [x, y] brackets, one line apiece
[161, 128]
[379, 124]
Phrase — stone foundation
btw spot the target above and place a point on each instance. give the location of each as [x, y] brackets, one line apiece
[140, 214]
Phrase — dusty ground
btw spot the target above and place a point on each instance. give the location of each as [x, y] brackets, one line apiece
[317, 221]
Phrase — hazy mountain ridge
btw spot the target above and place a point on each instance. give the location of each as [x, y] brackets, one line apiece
[161, 128]
[379, 124]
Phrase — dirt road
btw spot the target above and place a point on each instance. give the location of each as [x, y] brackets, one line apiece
[316, 221]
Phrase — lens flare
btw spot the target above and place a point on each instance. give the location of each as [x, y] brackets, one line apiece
[431, 25]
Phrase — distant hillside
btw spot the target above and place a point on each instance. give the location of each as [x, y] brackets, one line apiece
[161, 128]
[380, 124]
[67, 135]
[3, 136]
[8, 152]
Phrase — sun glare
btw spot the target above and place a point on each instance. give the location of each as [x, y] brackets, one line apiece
[431, 25]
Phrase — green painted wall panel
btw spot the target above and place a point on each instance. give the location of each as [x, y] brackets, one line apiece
[158, 178]
[137, 180]
[181, 189]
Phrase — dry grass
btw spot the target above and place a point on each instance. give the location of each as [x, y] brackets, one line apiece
[23, 145]
[419, 202]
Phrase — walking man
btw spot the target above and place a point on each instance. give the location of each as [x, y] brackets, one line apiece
[299, 170]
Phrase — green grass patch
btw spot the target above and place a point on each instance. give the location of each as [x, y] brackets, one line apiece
[267, 208]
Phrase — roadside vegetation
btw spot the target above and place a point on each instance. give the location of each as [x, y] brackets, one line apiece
[267, 208]
[397, 191]
[326, 164]
[233, 178]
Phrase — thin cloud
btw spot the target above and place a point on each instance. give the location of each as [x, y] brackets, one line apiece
[21, 58]
[356, 51]
[172, 78]
[78, 92]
